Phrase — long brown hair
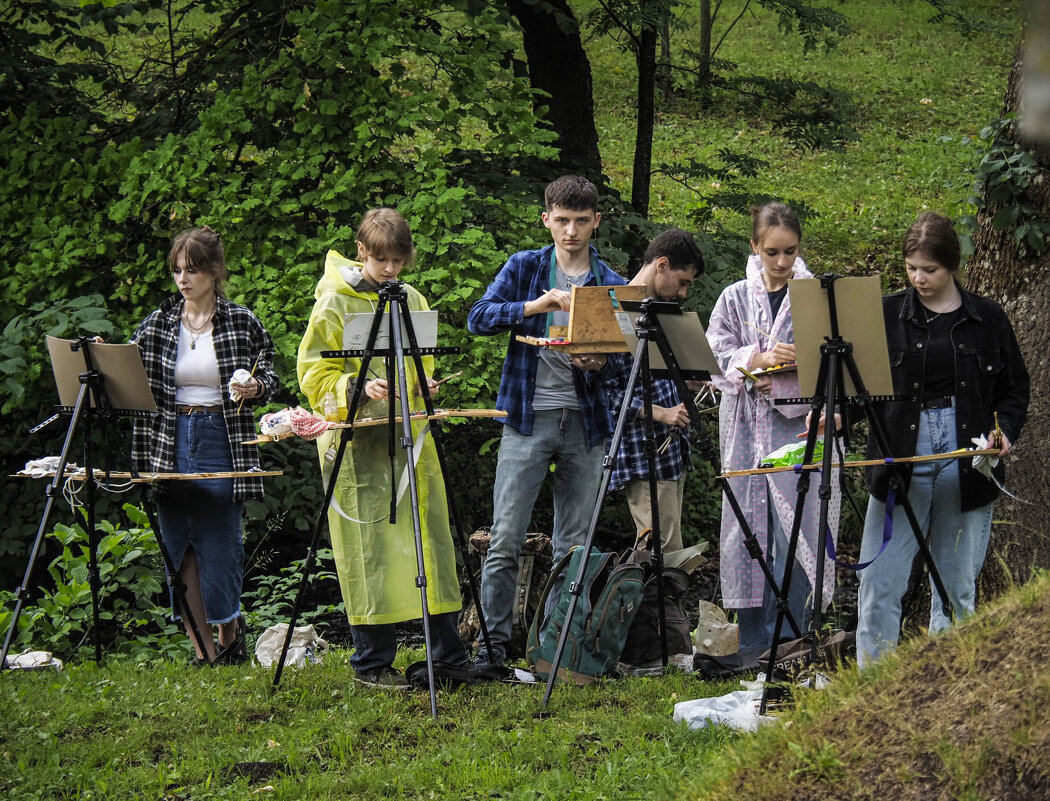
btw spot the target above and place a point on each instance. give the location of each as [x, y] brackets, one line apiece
[203, 250]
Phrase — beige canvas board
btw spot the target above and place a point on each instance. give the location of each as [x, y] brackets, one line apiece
[685, 334]
[124, 377]
[858, 301]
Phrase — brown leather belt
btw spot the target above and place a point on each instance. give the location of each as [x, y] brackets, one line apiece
[197, 409]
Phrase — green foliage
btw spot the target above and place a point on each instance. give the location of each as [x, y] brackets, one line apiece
[272, 124]
[1002, 181]
[272, 599]
[129, 565]
[23, 349]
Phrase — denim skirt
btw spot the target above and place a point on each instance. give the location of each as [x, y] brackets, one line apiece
[202, 515]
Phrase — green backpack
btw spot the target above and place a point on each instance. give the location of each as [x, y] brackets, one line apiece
[610, 598]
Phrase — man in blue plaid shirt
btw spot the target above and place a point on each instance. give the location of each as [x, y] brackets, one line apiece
[557, 407]
[670, 265]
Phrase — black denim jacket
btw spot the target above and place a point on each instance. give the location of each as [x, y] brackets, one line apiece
[990, 378]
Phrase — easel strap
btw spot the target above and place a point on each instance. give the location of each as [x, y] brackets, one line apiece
[887, 535]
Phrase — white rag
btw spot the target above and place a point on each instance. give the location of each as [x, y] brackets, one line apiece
[241, 376]
[984, 465]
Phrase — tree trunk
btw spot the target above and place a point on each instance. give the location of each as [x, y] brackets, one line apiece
[558, 65]
[643, 141]
[663, 71]
[1020, 282]
[703, 72]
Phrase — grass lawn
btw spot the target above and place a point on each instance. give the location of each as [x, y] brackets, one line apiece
[960, 716]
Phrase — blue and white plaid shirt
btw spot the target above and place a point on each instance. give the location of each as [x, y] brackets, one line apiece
[525, 277]
[630, 460]
[239, 340]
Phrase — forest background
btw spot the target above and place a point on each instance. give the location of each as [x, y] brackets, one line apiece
[279, 123]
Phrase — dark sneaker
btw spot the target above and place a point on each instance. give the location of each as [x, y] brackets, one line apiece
[385, 678]
[482, 658]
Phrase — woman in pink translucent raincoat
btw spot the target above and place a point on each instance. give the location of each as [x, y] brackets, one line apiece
[751, 328]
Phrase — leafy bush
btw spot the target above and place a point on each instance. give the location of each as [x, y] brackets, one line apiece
[272, 599]
[132, 608]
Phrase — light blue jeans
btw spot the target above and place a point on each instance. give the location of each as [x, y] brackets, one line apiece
[524, 463]
[756, 624]
[957, 540]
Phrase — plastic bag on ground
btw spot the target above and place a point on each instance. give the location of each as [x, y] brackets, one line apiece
[306, 646]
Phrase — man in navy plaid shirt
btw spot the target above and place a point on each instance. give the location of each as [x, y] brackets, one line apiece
[557, 407]
[670, 265]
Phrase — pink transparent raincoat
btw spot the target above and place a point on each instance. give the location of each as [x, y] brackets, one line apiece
[750, 427]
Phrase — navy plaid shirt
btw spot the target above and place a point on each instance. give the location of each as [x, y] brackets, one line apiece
[524, 277]
[239, 340]
[630, 460]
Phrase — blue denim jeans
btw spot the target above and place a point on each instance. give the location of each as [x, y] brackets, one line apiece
[957, 540]
[202, 514]
[756, 624]
[376, 646]
[524, 463]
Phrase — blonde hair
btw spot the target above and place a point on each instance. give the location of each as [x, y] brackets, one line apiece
[385, 232]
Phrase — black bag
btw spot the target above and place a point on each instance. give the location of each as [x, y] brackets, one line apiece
[709, 667]
[794, 656]
[643, 640]
[534, 564]
[642, 647]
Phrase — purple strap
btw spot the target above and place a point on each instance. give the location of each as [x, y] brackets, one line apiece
[887, 535]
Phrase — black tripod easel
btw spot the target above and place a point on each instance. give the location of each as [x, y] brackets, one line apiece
[648, 329]
[830, 393]
[393, 306]
[92, 406]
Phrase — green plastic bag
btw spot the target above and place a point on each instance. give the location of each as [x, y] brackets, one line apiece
[791, 454]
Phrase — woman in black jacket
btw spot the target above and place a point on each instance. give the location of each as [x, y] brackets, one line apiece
[955, 353]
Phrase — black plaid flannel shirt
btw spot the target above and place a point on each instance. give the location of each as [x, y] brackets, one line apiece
[239, 340]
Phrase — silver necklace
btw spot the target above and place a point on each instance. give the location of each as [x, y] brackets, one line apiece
[196, 333]
[926, 314]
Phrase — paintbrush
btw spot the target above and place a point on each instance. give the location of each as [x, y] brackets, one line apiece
[250, 376]
[763, 333]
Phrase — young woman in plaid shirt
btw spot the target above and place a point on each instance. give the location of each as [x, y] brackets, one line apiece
[191, 346]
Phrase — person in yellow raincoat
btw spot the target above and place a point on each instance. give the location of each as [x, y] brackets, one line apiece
[376, 561]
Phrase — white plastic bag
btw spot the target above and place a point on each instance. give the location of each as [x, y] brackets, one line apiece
[737, 710]
[32, 660]
[306, 646]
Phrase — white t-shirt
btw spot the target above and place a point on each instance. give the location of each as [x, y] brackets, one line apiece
[197, 370]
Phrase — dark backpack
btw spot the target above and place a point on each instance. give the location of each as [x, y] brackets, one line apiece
[609, 599]
[642, 647]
